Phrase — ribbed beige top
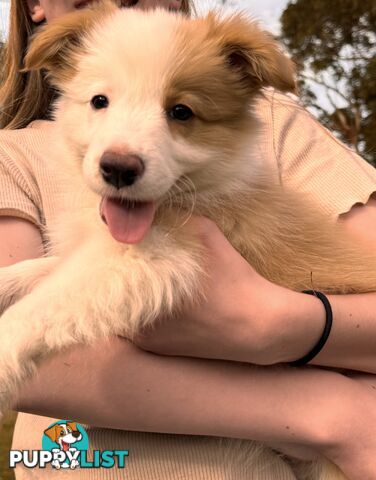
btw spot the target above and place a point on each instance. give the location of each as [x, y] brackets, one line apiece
[301, 154]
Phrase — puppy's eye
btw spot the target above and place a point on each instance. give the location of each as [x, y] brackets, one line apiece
[180, 112]
[128, 3]
[99, 101]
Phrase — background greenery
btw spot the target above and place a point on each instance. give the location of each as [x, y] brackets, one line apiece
[334, 46]
[5, 444]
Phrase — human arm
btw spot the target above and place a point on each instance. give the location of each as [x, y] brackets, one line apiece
[352, 343]
[305, 412]
[20, 240]
[247, 318]
[123, 387]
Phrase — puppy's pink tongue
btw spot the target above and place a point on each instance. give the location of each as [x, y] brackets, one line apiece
[128, 222]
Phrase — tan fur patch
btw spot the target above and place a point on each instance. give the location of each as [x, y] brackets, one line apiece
[220, 65]
[57, 46]
[56, 431]
[252, 52]
[53, 432]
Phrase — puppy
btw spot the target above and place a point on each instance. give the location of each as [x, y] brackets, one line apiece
[65, 435]
[155, 119]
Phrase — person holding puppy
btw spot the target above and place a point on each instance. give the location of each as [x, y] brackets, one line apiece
[269, 324]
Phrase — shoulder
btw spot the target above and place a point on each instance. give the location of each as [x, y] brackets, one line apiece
[309, 158]
[24, 153]
[274, 112]
[15, 143]
[294, 128]
[269, 98]
[27, 178]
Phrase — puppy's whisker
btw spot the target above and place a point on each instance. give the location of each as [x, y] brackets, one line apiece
[179, 196]
[187, 194]
[192, 190]
[181, 199]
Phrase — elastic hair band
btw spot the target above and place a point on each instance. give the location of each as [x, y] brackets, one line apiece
[325, 334]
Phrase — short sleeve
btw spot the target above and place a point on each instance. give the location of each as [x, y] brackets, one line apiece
[311, 160]
[17, 198]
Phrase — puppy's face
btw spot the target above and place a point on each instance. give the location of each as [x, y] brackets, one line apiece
[151, 98]
[64, 434]
[155, 105]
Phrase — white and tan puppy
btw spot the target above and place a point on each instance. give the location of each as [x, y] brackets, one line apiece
[154, 121]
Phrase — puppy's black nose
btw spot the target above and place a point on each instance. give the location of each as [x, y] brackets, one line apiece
[121, 170]
[76, 434]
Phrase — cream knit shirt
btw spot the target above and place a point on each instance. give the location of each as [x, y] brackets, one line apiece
[302, 155]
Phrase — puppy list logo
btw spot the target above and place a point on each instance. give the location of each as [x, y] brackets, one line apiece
[65, 444]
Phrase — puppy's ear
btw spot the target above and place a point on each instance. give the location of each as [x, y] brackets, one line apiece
[55, 47]
[72, 425]
[53, 432]
[253, 52]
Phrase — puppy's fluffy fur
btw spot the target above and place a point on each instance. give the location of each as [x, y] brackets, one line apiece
[90, 285]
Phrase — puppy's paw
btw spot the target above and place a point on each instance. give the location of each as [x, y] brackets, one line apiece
[74, 464]
[19, 279]
[56, 464]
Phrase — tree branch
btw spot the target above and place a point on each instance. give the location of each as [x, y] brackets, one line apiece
[324, 84]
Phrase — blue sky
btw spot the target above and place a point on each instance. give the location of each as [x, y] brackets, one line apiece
[268, 11]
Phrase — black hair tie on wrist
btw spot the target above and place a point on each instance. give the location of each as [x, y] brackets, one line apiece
[325, 334]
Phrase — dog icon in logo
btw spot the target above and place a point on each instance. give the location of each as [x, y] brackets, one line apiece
[65, 435]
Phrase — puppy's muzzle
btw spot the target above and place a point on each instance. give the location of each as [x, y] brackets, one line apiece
[121, 170]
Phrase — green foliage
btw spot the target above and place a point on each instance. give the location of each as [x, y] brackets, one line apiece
[334, 45]
[5, 444]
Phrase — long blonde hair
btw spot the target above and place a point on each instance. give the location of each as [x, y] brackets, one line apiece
[25, 97]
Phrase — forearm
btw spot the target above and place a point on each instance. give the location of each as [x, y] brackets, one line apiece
[300, 318]
[352, 341]
[118, 386]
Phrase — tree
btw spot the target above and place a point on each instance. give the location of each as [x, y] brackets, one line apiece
[334, 44]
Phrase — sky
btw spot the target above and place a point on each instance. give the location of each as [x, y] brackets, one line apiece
[267, 11]
[4, 6]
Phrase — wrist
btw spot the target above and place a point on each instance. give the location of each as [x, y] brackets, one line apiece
[301, 320]
[271, 324]
[348, 432]
[277, 325]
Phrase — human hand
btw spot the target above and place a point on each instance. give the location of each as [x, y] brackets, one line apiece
[244, 317]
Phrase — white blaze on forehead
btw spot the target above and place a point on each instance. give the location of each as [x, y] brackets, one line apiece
[132, 51]
[129, 59]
